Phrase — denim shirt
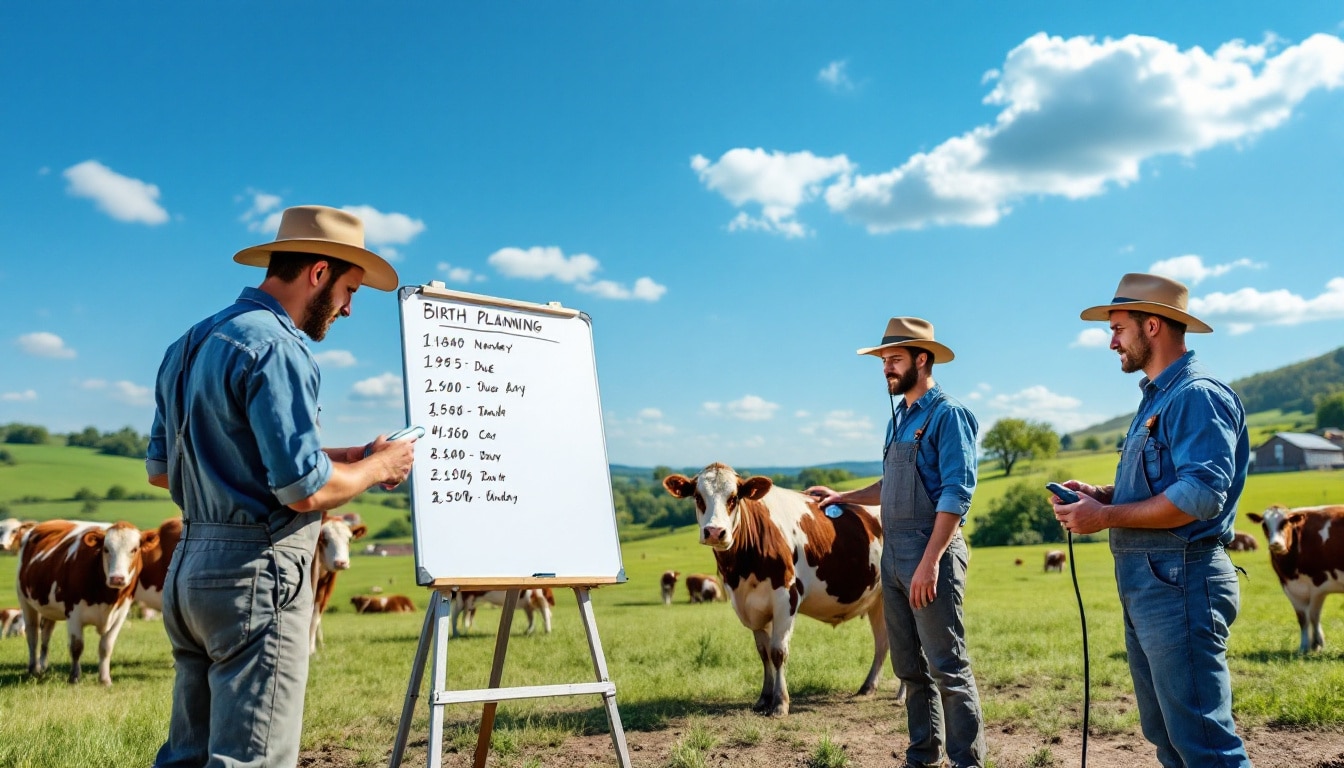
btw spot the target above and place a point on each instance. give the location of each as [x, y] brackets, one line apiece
[252, 391]
[1198, 451]
[946, 458]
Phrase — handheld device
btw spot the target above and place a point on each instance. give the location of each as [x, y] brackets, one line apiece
[1065, 495]
[413, 432]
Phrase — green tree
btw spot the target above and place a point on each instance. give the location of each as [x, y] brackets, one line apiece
[87, 439]
[396, 528]
[7, 458]
[89, 509]
[116, 493]
[1330, 411]
[1011, 440]
[124, 442]
[1092, 443]
[1023, 515]
[85, 494]
[1066, 442]
[661, 471]
[26, 434]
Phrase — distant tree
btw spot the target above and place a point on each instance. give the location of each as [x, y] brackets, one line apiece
[1330, 411]
[1011, 440]
[1092, 443]
[396, 528]
[819, 476]
[26, 434]
[116, 493]
[7, 458]
[85, 494]
[86, 439]
[1023, 515]
[124, 442]
[1066, 443]
[661, 471]
[90, 508]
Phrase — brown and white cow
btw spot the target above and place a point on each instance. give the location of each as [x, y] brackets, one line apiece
[382, 604]
[703, 588]
[1242, 542]
[11, 533]
[668, 583]
[83, 573]
[10, 618]
[779, 555]
[1306, 548]
[154, 565]
[333, 556]
[531, 602]
[1054, 560]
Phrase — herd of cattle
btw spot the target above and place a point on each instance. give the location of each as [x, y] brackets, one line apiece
[778, 556]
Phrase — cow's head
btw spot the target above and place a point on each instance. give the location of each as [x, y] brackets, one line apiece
[11, 531]
[334, 543]
[1277, 522]
[718, 494]
[120, 547]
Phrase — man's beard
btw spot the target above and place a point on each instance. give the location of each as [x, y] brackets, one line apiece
[320, 313]
[904, 383]
[1136, 357]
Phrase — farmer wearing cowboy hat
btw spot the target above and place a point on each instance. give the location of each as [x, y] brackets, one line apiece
[235, 440]
[928, 475]
[1170, 513]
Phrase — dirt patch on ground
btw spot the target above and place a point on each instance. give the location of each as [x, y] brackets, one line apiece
[866, 732]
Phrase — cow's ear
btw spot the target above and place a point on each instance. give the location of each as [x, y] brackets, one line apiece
[754, 488]
[358, 531]
[149, 539]
[93, 538]
[680, 486]
[1254, 518]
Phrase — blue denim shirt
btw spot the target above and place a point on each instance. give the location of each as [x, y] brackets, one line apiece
[1198, 451]
[252, 423]
[946, 458]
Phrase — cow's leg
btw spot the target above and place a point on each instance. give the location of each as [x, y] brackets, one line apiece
[106, 643]
[545, 609]
[781, 630]
[48, 626]
[881, 645]
[1314, 620]
[76, 631]
[1304, 626]
[764, 703]
[31, 626]
[531, 615]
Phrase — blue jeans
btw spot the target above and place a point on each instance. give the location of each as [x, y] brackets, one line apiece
[928, 653]
[1179, 604]
[237, 605]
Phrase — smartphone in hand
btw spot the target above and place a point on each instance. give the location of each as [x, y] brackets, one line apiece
[1065, 495]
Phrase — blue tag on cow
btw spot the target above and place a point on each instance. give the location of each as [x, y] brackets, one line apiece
[834, 511]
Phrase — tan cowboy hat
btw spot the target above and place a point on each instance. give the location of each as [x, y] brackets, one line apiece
[1154, 294]
[910, 332]
[326, 232]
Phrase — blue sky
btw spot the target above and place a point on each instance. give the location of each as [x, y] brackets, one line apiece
[739, 194]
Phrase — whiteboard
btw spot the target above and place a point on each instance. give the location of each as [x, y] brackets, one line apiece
[511, 484]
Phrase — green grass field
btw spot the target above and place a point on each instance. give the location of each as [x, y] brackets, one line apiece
[668, 662]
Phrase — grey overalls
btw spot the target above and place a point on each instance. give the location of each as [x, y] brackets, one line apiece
[928, 645]
[237, 604]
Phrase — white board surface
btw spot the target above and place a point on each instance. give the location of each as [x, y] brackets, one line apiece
[511, 480]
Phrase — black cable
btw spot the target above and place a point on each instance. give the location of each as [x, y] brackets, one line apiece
[1087, 666]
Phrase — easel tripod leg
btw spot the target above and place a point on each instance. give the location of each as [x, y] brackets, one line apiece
[442, 628]
[496, 675]
[600, 666]
[417, 678]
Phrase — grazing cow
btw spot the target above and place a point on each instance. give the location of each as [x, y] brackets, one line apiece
[1242, 542]
[154, 568]
[1306, 548]
[8, 618]
[333, 556]
[11, 533]
[779, 555]
[1054, 561]
[531, 601]
[1017, 561]
[669, 585]
[703, 588]
[84, 573]
[382, 604]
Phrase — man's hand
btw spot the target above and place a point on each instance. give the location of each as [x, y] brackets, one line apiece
[394, 460]
[1087, 515]
[1100, 493]
[823, 495]
[924, 584]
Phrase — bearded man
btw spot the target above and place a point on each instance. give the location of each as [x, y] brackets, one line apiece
[235, 441]
[1170, 514]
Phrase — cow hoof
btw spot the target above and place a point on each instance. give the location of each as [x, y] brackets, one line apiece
[761, 706]
[780, 710]
[866, 690]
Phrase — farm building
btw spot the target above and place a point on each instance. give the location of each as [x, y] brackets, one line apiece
[1293, 451]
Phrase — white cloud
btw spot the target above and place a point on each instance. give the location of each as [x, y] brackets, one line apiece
[778, 182]
[652, 414]
[835, 76]
[1040, 404]
[384, 229]
[1190, 268]
[336, 358]
[93, 384]
[43, 344]
[385, 389]
[801, 414]
[1244, 309]
[749, 408]
[1093, 337]
[842, 427]
[538, 263]
[459, 274]
[18, 397]
[645, 289]
[262, 215]
[131, 393]
[121, 197]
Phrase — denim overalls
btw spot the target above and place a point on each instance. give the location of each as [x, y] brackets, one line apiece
[928, 645]
[1179, 600]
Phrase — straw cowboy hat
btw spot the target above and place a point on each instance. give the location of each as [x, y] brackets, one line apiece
[910, 332]
[1153, 294]
[326, 232]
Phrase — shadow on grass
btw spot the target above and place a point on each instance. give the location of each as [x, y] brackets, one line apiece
[1283, 655]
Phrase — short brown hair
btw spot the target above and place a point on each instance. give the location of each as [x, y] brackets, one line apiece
[288, 265]
[1140, 316]
[915, 352]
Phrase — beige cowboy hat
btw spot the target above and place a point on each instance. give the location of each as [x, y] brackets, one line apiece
[910, 332]
[326, 232]
[1153, 294]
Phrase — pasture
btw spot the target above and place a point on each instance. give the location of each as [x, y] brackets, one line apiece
[685, 674]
